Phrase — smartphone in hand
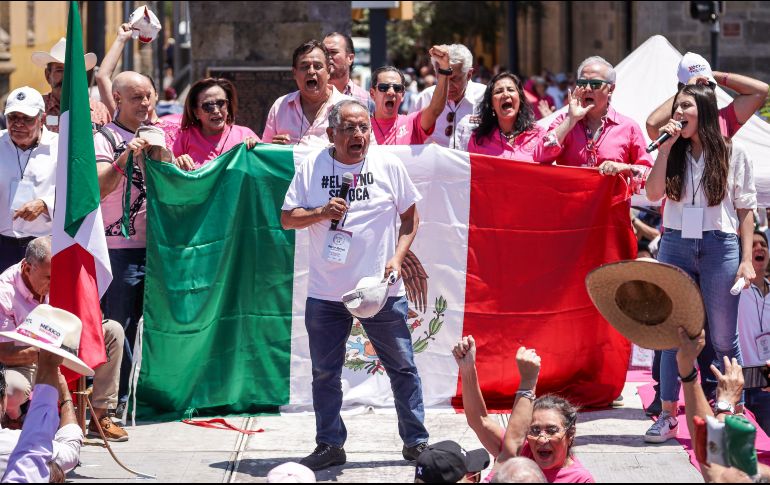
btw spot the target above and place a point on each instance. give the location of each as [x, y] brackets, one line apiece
[756, 377]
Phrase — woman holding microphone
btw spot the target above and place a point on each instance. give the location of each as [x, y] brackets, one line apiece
[709, 184]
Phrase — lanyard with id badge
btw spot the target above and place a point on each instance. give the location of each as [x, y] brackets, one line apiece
[763, 339]
[22, 190]
[338, 241]
[692, 217]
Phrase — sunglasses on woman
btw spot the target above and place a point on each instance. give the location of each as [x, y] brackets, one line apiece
[384, 87]
[209, 106]
[594, 83]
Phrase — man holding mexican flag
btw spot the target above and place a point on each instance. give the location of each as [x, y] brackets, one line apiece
[365, 244]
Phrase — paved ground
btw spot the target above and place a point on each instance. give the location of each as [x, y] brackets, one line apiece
[608, 443]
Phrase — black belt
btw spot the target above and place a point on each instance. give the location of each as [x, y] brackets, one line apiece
[13, 241]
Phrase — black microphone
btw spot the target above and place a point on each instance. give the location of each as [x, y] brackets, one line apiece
[664, 137]
[347, 179]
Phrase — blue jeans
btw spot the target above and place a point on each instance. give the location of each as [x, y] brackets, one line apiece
[712, 262]
[328, 325]
[124, 302]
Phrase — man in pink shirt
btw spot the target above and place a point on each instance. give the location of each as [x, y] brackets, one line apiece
[693, 68]
[23, 287]
[342, 55]
[388, 86]
[592, 133]
[301, 117]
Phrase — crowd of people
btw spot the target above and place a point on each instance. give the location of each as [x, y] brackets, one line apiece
[706, 229]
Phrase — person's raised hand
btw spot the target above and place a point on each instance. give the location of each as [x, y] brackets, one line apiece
[729, 384]
[673, 128]
[528, 363]
[464, 353]
[440, 53]
[576, 110]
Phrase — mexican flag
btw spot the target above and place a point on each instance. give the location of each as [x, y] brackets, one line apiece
[503, 249]
[80, 266]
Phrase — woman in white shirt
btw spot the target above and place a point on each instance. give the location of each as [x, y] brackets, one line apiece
[709, 184]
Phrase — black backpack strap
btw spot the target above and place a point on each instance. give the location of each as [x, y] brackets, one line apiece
[117, 150]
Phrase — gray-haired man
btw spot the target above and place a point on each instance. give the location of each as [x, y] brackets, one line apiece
[366, 244]
[457, 121]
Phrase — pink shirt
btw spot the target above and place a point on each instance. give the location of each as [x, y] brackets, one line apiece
[575, 473]
[170, 129]
[401, 130]
[112, 203]
[16, 300]
[203, 148]
[621, 141]
[286, 117]
[356, 92]
[728, 121]
[527, 146]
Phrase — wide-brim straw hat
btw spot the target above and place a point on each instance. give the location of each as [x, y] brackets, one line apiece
[647, 301]
[57, 54]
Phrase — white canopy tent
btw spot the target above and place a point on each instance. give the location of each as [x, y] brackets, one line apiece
[647, 78]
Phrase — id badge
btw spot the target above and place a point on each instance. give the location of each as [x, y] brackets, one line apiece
[24, 193]
[51, 120]
[763, 347]
[692, 223]
[337, 246]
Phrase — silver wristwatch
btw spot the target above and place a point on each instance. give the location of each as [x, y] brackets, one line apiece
[724, 407]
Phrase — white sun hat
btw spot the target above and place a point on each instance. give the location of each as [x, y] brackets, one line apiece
[57, 54]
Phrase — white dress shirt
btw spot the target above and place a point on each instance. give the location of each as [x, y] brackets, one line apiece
[464, 116]
[38, 167]
[740, 194]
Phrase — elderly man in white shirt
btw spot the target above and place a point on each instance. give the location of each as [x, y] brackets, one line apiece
[454, 126]
[27, 175]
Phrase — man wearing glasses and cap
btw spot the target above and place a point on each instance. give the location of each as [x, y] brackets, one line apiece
[53, 63]
[27, 175]
[593, 134]
[388, 87]
[457, 121]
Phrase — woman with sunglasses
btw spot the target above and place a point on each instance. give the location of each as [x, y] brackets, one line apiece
[208, 124]
[593, 134]
[542, 429]
[709, 186]
[507, 128]
[388, 86]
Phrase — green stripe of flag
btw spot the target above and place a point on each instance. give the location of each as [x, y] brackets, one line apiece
[219, 284]
[82, 183]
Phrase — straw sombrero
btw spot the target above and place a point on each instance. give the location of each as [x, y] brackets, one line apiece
[57, 54]
[647, 301]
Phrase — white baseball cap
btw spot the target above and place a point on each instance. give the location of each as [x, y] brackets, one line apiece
[25, 100]
[369, 296]
[692, 65]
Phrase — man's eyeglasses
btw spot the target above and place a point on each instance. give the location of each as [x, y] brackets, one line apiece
[594, 83]
[384, 87]
[549, 432]
[20, 119]
[350, 130]
[209, 106]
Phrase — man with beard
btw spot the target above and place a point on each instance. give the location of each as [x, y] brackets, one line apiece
[457, 121]
[301, 117]
[388, 87]
[53, 63]
[342, 55]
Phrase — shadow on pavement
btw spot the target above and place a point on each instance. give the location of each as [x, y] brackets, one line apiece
[259, 468]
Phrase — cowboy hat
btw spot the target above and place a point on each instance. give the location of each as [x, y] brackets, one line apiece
[57, 54]
[53, 330]
[647, 301]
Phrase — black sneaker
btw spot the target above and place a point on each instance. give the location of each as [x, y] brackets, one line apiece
[655, 407]
[411, 453]
[324, 456]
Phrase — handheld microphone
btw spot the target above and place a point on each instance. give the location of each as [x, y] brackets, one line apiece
[347, 179]
[664, 137]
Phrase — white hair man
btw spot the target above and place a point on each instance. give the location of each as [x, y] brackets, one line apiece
[27, 175]
[454, 126]
[519, 469]
[23, 287]
[368, 243]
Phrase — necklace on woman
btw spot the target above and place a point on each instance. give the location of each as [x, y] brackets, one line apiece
[509, 136]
